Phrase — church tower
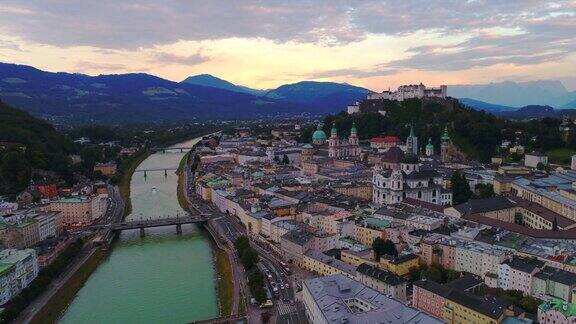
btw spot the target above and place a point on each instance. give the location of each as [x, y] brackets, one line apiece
[333, 141]
[429, 148]
[412, 142]
[353, 139]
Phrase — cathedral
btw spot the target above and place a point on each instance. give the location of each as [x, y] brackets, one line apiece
[393, 186]
[337, 148]
[343, 148]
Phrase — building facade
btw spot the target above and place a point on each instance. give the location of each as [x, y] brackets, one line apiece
[343, 148]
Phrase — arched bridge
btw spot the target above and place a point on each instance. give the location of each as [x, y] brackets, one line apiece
[173, 221]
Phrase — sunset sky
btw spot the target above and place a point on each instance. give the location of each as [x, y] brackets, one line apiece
[262, 44]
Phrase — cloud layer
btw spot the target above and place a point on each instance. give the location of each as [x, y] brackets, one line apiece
[460, 34]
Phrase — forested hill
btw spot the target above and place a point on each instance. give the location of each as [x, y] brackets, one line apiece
[27, 144]
[477, 133]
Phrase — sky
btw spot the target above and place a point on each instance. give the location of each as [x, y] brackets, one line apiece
[263, 44]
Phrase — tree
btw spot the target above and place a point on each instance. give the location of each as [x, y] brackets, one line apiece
[485, 190]
[461, 192]
[276, 159]
[519, 219]
[15, 171]
[540, 166]
[383, 247]
[285, 159]
[249, 258]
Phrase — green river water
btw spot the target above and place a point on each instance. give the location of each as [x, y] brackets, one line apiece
[162, 278]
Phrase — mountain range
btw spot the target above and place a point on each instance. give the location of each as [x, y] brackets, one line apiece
[139, 97]
[518, 94]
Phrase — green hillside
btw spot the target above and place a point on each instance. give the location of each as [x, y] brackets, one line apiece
[28, 148]
[478, 134]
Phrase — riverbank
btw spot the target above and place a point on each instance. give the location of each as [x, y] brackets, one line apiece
[58, 303]
[222, 266]
[225, 284]
[126, 178]
[182, 182]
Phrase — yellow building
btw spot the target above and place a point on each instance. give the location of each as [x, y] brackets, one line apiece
[399, 265]
[357, 258]
[325, 265]
[462, 308]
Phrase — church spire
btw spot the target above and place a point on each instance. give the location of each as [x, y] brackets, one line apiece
[334, 132]
[353, 130]
[445, 136]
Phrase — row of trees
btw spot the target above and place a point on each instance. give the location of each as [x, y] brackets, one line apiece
[41, 283]
[249, 259]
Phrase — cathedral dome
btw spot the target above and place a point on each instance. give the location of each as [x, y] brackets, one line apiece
[319, 134]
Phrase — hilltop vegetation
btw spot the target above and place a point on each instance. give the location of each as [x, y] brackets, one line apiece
[27, 147]
[478, 134]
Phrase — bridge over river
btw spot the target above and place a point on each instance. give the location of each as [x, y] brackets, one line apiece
[169, 221]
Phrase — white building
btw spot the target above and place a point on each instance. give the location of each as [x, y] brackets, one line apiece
[352, 109]
[7, 208]
[573, 162]
[478, 258]
[411, 91]
[517, 273]
[338, 299]
[393, 186]
[17, 270]
[532, 160]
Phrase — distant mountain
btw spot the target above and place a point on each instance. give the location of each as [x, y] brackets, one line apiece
[488, 107]
[535, 111]
[134, 97]
[324, 97]
[208, 80]
[516, 94]
[570, 105]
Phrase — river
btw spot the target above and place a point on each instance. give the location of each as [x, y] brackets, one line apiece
[162, 278]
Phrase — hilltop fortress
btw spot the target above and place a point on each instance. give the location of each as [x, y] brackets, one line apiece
[411, 91]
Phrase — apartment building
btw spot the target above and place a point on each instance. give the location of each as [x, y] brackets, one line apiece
[517, 274]
[78, 211]
[383, 281]
[17, 270]
[325, 265]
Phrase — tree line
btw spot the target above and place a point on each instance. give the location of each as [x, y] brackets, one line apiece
[249, 259]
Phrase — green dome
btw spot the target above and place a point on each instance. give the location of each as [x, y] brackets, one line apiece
[319, 134]
[430, 145]
[445, 136]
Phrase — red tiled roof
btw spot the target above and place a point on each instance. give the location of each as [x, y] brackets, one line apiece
[385, 139]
